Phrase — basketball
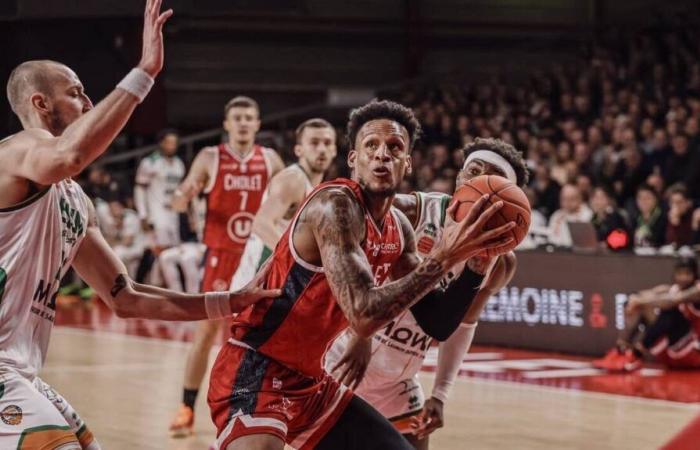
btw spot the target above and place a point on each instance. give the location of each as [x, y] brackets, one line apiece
[516, 206]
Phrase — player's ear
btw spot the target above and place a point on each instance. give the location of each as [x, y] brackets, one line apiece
[297, 150]
[409, 165]
[352, 156]
[40, 102]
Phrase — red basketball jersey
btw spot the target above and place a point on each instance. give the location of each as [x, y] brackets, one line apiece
[235, 198]
[297, 328]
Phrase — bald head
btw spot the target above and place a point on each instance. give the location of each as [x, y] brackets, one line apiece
[31, 77]
[46, 94]
[570, 198]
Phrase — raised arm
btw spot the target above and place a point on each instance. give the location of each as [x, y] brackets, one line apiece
[197, 178]
[285, 190]
[99, 266]
[45, 159]
[338, 226]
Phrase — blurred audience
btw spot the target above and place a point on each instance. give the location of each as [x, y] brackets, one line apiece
[573, 209]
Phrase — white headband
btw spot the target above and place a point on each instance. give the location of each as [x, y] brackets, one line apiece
[495, 159]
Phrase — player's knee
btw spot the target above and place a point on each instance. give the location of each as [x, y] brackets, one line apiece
[49, 438]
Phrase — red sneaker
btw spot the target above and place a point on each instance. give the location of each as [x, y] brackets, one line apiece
[610, 361]
[631, 362]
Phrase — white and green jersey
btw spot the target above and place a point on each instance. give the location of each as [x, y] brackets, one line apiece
[398, 350]
[38, 240]
[256, 252]
[160, 176]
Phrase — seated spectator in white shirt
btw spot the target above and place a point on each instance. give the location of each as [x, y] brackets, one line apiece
[121, 228]
[538, 225]
[573, 209]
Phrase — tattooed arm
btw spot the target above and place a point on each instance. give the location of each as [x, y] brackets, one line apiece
[337, 222]
[99, 266]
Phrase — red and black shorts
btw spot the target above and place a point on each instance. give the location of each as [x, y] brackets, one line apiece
[250, 393]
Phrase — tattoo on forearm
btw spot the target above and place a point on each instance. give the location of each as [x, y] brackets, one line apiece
[386, 302]
[119, 284]
[339, 226]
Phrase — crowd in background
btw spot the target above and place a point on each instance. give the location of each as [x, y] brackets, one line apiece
[613, 141]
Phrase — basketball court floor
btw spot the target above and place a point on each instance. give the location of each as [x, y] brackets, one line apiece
[124, 377]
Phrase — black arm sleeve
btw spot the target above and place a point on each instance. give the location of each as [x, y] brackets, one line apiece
[439, 313]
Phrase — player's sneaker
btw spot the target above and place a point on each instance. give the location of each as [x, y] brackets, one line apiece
[610, 361]
[631, 362]
[183, 423]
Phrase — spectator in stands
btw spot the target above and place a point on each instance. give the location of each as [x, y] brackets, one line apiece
[573, 209]
[122, 230]
[546, 191]
[442, 184]
[99, 184]
[630, 172]
[610, 223]
[679, 230]
[537, 234]
[585, 185]
[678, 165]
[649, 220]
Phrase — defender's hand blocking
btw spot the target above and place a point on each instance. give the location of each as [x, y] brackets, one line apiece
[466, 238]
[254, 291]
[152, 51]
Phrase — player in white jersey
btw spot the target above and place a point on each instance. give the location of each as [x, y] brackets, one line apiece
[157, 178]
[316, 149]
[384, 369]
[48, 224]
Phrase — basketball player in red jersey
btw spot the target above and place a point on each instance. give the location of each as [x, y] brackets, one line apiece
[234, 177]
[268, 385]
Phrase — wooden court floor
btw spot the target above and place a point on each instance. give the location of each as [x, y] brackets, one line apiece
[127, 388]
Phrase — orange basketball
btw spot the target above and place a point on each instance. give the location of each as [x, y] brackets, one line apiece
[516, 206]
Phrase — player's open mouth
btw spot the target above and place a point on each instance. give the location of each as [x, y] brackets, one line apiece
[380, 171]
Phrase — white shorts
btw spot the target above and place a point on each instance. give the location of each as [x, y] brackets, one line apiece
[398, 402]
[33, 415]
[254, 255]
[167, 233]
[397, 398]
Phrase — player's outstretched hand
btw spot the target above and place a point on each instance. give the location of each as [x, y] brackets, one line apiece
[467, 238]
[152, 51]
[430, 419]
[351, 368]
[254, 291]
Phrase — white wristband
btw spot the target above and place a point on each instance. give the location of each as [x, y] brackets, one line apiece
[217, 305]
[138, 83]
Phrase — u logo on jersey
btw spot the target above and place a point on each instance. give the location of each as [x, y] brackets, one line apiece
[239, 226]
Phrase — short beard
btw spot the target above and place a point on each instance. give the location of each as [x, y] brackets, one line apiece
[57, 125]
[376, 194]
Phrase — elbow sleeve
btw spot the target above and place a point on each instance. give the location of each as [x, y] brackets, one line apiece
[440, 313]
